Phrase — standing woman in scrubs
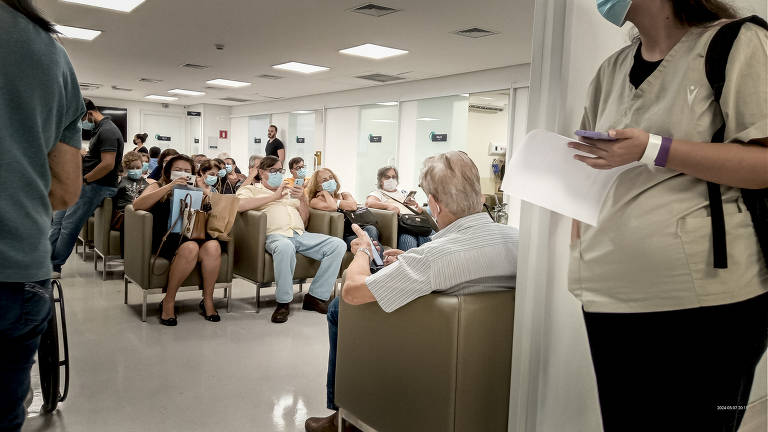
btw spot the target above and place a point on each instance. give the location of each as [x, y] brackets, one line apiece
[674, 341]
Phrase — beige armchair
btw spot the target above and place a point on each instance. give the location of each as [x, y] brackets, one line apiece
[440, 363]
[251, 260]
[138, 262]
[85, 238]
[106, 241]
[386, 223]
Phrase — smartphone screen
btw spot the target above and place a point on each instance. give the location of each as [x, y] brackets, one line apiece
[299, 182]
[375, 254]
[594, 135]
[411, 194]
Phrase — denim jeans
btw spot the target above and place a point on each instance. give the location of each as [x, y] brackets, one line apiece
[24, 312]
[326, 249]
[373, 233]
[333, 336]
[67, 223]
[408, 241]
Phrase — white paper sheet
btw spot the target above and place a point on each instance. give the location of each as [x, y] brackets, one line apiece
[543, 171]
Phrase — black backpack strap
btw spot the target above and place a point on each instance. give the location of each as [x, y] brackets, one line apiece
[715, 64]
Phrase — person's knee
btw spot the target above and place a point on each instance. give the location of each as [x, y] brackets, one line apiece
[210, 250]
[338, 247]
[283, 247]
[371, 231]
[188, 251]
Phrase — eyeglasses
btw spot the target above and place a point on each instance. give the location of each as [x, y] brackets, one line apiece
[275, 171]
[386, 177]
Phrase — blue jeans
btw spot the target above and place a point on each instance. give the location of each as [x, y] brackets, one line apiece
[326, 249]
[24, 312]
[373, 233]
[66, 224]
[408, 241]
[333, 336]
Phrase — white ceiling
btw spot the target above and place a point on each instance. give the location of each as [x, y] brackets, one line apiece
[159, 35]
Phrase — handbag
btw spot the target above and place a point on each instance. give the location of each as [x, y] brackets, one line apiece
[194, 222]
[222, 215]
[362, 216]
[416, 224]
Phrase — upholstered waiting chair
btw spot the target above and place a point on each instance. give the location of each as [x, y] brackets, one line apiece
[386, 223]
[440, 363]
[138, 262]
[254, 264]
[106, 242]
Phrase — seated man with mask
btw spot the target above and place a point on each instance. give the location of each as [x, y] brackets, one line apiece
[470, 254]
[287, 213]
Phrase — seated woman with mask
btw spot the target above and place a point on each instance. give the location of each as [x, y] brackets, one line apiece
[389, 197]
[208, 177]
[183, 254]
[323, 190]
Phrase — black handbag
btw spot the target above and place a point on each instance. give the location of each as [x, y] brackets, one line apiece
[416, 224]
[362, 216]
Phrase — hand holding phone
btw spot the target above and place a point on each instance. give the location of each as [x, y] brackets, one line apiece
[410, 195]
[594, 135]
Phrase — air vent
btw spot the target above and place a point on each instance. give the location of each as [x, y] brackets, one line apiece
[475, 32]
[269, 77]
[89, 86]
[150, 80]
[490, 109]
[234, 99]
[374, 10]
[194, 66]
[381, 78]
[114, 87]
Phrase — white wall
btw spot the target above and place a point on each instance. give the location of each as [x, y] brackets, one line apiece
[341, 133]
[484, 128]
[216, 118]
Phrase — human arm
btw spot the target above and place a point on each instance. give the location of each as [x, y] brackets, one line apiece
[65, 163]
[298, 193]
[281, 155]
[104, 167]
[246, 203]
[355, 290]
[373, 202]
[154, 193]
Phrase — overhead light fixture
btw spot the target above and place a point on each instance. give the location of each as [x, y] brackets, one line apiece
[300, 67]
[387, 103]
[384, 121]
[117, 5]
[427, 119]
[227, 83]
[76, 32]
[373, 51]
[162, 98]
[486, 98]
[302, 112]
[464, 94]
[186, 92]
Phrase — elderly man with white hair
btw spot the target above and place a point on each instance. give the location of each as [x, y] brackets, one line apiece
[471, 253]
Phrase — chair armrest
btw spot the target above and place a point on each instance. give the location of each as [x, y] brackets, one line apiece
[250, 235]
[386, 222]
[101, 225]
[138, 245]
[325, 222]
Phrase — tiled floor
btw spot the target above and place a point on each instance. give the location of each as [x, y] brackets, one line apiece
[241, 374]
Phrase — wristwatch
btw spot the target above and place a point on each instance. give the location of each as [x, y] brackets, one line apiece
[367, 252]
[338, 204]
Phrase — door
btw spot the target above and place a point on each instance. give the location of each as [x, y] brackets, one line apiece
[165, 131]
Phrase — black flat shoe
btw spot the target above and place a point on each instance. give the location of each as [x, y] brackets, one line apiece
[214, 317]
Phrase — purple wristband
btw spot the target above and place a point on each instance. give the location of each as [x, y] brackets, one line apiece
[661, 157]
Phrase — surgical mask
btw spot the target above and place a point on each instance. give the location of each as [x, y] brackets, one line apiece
[178, 174]
[87, 125]
[145, 167]
[302, 173]
[275, 179]
[134, 174]
[390, 184]
[615, 11]
[222, 172]
[330, 186]
[211, 180]
[229, 169]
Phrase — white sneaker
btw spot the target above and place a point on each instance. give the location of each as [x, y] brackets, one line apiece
[56, 275]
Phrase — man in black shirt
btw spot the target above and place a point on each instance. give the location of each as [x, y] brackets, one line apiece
[274, 147]
[100, 167]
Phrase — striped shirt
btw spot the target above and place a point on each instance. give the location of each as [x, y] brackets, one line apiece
[471, 255]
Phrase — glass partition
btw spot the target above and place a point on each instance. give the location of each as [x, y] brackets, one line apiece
[257, 134]
[300, 137]
[377, 145]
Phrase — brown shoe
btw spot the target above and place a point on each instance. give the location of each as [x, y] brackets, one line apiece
[322, 424]
[312, 303]
[280, 315]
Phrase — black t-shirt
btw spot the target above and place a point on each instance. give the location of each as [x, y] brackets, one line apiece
[273, 146]
[141, 149]
[106, 138]
[641, 68]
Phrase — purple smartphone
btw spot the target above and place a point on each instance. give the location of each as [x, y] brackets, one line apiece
[594, 135]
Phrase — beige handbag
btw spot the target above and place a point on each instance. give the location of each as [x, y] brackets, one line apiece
[221, 217]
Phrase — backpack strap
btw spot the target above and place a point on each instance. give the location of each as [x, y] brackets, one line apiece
[715, 64]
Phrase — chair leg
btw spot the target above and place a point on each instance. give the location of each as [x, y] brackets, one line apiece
[301, 287]
[104, 275]
[125, 280]
[144, 308]
[225, 291]
[228, 295]
[258, 297]
[95, 261]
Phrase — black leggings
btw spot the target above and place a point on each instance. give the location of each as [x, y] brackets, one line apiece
[679, 370]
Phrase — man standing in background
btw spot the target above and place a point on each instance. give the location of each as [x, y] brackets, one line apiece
[275, 147]
[100, 167]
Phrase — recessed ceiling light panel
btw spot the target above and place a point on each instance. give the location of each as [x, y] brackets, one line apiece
[300, 67]
[227, 83]
[117, 5]
[373, 51]
[76, 32]
[186, 92]
[302, 112]
[427, 119]
[162, 98]
[387, 103]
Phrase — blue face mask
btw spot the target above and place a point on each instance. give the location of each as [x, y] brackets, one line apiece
[275, 179]
[87, 125]
[145, 167]
[229, 169]
[222, 172]
[211, 180]
[134, 174]
[330, 186]
[302, 173]
[614, 11]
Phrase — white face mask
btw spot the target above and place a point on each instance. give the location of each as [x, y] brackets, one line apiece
[178, 174]
[390, 184]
